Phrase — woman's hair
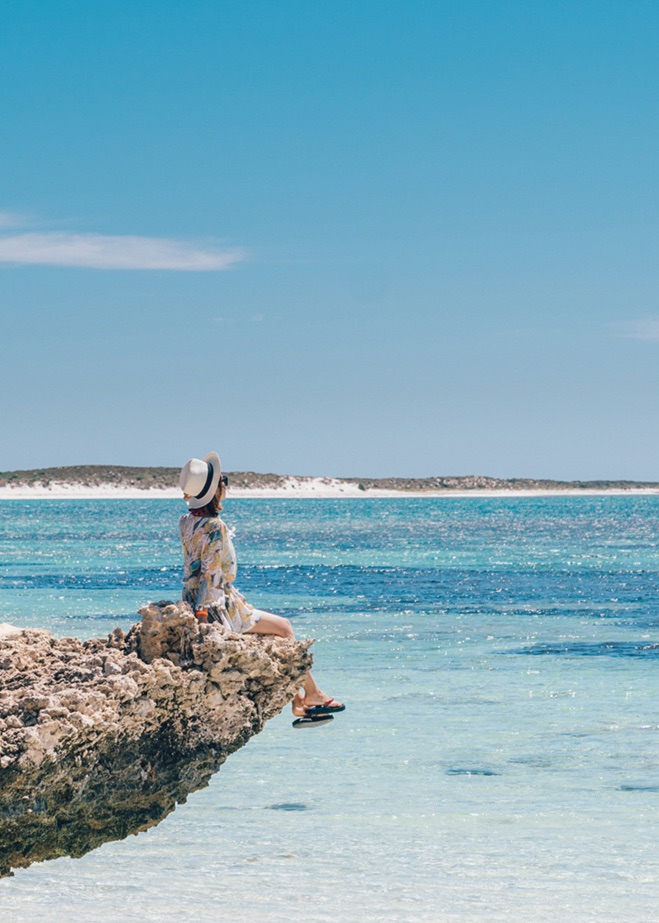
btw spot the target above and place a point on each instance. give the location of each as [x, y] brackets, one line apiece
[212, 508]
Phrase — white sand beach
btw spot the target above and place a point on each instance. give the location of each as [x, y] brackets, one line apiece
[302, 488]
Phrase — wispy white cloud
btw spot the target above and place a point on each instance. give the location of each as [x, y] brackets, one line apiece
[12, 219]
[99, 251]
[645, 329]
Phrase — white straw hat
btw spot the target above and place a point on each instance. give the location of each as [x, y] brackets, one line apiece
[199, 479]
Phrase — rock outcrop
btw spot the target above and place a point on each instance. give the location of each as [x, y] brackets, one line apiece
[102, 738]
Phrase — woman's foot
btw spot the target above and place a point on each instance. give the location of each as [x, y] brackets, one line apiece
[298, 705]
[315, 704]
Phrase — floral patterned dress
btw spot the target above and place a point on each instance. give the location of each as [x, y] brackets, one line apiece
[210, 567]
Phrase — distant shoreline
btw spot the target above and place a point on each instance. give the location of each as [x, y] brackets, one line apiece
[9, 495]
[92, 482]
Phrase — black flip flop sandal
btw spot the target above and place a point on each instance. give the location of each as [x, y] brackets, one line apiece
[327, 708]
[312, 721]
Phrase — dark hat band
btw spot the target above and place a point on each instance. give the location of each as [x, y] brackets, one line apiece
[209, 481]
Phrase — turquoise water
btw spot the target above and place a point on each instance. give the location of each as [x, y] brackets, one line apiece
[499, 757]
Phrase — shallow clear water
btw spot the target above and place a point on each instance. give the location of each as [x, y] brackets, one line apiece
[499, 756]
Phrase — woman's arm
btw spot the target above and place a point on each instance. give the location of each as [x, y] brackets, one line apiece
[229, 561]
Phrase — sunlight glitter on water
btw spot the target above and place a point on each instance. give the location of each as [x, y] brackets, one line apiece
[497, 759]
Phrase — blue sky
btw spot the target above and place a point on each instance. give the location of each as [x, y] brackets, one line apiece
[344, 238]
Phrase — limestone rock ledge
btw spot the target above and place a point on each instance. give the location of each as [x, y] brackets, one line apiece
[102, 738]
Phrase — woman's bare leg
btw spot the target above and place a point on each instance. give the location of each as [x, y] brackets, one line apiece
[271, 624]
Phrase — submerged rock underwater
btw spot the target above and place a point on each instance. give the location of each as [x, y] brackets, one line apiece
[103, 738]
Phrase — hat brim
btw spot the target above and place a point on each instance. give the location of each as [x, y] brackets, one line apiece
[196, 503]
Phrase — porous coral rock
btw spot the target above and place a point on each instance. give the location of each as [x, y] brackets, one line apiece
[102, 738]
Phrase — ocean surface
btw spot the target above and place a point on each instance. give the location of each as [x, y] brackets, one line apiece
[499, 755]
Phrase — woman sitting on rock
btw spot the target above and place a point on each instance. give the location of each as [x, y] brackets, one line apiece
[210, 569]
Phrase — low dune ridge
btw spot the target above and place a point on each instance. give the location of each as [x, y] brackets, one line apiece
[130, 481]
